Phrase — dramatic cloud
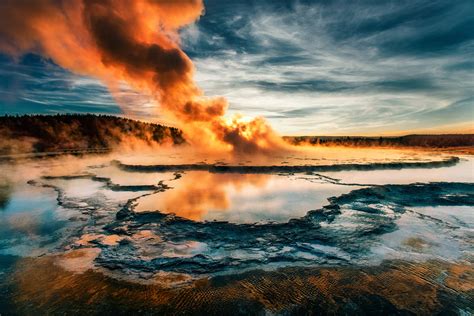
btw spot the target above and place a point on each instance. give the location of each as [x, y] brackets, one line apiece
[33, 85]
[310, 67]
[136, 42]
[338, 67]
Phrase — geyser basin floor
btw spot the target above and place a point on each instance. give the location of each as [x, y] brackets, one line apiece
[300, 156]
[393, 288]
[167, 230]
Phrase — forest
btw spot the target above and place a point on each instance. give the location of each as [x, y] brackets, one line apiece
[428, 141]
[63, 132]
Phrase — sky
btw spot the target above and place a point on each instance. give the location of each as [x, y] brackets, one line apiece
[309, 67]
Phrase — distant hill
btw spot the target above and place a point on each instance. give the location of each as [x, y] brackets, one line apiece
[429, 141]
[65, 132]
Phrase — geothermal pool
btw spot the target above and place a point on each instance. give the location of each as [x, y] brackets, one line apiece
[176, 221]
[240, 198]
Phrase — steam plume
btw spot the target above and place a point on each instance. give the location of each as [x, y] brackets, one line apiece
[137, 42]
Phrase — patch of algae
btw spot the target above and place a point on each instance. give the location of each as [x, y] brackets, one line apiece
[43, 286]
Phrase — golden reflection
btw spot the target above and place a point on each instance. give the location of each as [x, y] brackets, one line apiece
[197, 193]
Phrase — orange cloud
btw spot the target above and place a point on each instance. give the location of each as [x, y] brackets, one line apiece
[136, 42]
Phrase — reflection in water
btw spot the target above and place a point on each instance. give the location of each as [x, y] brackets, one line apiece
[6, 189]
[197, 193]
[120, 177]
[461, 172]
[29, 221]
[73, 224]
[427, 232]
[240, 198]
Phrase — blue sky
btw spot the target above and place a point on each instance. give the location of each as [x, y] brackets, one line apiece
[310, 67]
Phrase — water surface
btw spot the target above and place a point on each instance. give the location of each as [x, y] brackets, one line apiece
[148, 224]
[240, 198]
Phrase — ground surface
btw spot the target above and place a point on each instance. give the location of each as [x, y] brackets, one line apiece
[366, 234]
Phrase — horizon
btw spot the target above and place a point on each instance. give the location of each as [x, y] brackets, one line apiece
[289, 135]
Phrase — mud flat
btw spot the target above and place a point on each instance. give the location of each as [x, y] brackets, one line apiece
[42, 286]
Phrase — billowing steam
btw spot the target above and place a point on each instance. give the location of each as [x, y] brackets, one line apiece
[137, 42]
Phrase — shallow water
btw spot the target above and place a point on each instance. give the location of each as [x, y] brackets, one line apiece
[183, 224]
[240, 198]
[30, 218]
[430, 232]
[461, 172]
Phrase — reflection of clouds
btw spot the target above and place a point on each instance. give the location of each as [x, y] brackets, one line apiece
[241, 198]
[281, 198]
[429, 232]
[6, 189]
[28, 210]
[78, 188]
[274, 185]
[29, 224]
[121, 177]
[461, 172]
[196, 193]
[24, 223]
